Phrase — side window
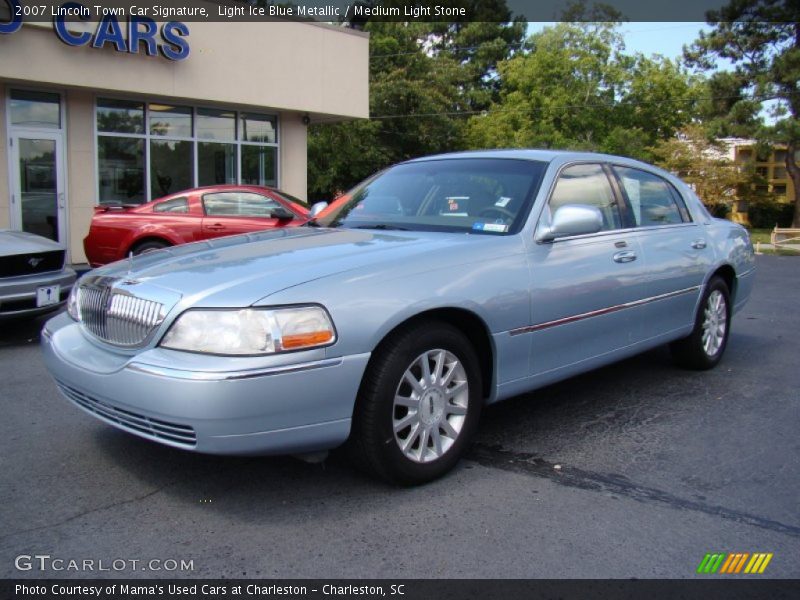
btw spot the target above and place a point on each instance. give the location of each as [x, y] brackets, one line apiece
[239, 204]
[176, 205]
[587, 184]
[256, 205]
[652, 200]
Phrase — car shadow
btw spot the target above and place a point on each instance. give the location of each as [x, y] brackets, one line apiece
[20, 331]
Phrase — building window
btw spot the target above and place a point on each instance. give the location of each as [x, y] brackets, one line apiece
[170, 167]
[150, 150]
[39, 110]
[121, 170]
[170, 121]
[257, 128]
[258, 164]
[120, 116]
[216, 163]
[216, 124]
[779, 190]
[779, 173]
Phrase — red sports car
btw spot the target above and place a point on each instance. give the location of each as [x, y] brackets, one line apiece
[188, 216]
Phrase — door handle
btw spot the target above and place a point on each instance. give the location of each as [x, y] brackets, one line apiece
[625, 256]
[699, 244]
[61, 200]
[215, 226]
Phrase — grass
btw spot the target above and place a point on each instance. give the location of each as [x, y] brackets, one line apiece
[760, 235]
[780, 251]
[763, 236]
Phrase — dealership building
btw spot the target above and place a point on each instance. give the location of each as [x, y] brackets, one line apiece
[103, 113]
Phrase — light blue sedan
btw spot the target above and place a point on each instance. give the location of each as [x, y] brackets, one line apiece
[443, 284]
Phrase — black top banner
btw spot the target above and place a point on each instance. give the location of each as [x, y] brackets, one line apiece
[357, 12]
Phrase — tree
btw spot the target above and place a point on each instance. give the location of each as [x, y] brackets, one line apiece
[423, 77]
[560, 94]
[411, 102]
[702, 163]
[761, 39]
[576, 88]
[477, 46]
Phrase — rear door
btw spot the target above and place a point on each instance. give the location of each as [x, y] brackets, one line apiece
[584, 288]
[232, 212]
[676, 250]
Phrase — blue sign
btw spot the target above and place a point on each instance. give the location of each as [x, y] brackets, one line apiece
[138, 33]
[15, 23]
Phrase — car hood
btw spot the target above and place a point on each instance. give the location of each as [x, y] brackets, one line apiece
[243, 269]
[13, 243]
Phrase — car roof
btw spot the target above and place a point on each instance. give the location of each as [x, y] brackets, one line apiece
[544, 155]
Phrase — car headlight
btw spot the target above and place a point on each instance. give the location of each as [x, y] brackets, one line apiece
[72, 303]
[251, 330]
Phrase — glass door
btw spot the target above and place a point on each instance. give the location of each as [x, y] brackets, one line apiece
[37, 184]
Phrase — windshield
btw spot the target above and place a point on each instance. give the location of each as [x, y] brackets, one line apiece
[476, 195]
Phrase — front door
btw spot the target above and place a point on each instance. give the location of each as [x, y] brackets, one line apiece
[38, 202]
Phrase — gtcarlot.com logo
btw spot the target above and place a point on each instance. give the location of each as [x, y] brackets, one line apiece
[46, 562]
[733, 563]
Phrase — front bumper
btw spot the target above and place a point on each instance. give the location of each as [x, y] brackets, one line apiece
[18, 294]
[284, 409]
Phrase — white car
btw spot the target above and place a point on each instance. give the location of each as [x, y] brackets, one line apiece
[33, 277]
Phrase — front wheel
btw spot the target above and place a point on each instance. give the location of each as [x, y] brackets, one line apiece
[418, 405]
[704, 347]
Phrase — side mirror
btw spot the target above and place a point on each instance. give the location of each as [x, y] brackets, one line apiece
[572, 219]
[317, 208]
[282, 214]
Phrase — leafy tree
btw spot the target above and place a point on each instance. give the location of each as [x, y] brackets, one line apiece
[761, 39]
[422, 77]
[702, 163]
[559, 94]
[576, 88]
[477, 46]
[411, 100]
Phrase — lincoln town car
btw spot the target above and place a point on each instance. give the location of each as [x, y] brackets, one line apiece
[385, 324]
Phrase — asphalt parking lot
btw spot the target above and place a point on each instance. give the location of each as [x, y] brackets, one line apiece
[636, 470]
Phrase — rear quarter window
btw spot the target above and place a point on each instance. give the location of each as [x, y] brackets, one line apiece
[176, 205]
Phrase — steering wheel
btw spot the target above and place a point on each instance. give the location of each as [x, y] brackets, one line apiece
[496, 210]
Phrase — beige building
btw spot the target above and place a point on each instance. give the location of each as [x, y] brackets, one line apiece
[88, 119]
[771, 169]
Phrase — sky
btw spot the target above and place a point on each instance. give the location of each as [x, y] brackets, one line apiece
[651, 38]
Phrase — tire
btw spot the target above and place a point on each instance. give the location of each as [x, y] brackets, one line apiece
[704, 347]
[149, 246]
[409, 426]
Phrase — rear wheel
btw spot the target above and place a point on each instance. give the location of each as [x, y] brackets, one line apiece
[149, 246]
[418, 405]
[704, 347]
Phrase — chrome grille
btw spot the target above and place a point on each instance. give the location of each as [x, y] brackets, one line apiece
[117, 316]
[125, 419]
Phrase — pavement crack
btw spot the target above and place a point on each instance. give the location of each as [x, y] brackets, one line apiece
[87, 512]
[496, 457]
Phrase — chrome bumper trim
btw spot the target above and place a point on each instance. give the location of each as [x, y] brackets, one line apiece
[231, 375]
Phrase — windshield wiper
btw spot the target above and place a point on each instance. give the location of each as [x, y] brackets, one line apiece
[382, 226]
